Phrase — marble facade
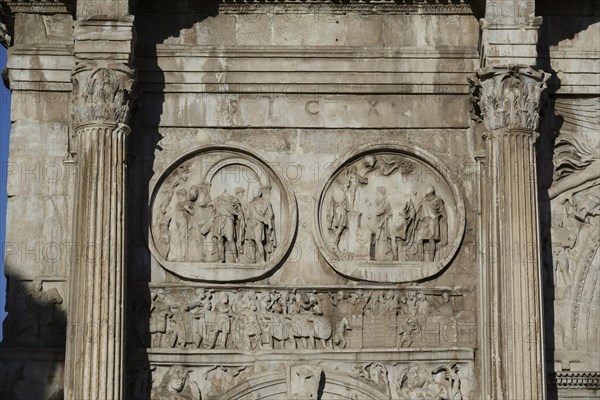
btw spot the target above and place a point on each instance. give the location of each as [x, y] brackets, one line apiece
[302, 200]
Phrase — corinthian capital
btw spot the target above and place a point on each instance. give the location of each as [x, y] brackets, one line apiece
[508, 96]
[102, 94]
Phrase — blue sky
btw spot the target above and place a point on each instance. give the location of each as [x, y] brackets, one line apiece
[4, 130]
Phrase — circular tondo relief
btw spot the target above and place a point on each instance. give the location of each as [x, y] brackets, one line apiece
[221, 214]
[388, 213]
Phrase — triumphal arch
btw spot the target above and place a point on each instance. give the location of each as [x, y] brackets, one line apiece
[302, 199]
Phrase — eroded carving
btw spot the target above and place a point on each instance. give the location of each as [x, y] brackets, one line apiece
[278, 319]
[366, 379]
[221, 206]
[508, 96]
[304, 382]
[389, 214]
[376, 374]
[102, 93]
[37, 318]
[176, 385]
[418, 382]
[572, 247]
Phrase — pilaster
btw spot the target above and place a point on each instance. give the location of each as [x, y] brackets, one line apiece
[509, 33]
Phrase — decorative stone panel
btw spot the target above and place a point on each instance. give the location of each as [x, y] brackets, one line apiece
[388, 213]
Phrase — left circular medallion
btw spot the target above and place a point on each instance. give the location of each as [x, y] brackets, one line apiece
[221, 214]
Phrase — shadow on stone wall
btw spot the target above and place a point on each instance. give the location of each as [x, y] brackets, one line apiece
[34, 332]
[156, 21]
[559, 24]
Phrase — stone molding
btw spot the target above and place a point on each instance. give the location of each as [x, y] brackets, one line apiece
[316, 6]
[39, 7]
[575, 379]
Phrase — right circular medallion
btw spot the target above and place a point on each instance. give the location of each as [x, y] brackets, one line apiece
[388, 213]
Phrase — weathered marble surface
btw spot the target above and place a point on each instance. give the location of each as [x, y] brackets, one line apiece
[305, 204]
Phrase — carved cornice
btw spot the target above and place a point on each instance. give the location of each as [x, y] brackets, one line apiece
[40, 7]
[102, 94]
[508, 96]
[575, 380]
[312, 6]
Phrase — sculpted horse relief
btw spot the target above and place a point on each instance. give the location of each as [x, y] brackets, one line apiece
[290, 328]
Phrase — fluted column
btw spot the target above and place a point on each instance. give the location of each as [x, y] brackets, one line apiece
[507, 98]
[95, 354]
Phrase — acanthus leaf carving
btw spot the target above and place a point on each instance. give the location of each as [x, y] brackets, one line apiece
[103, 93]
[508, 96]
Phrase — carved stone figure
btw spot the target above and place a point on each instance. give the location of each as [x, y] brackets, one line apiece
[388, 207]
[446, 307]
[176, 385]
[198, 307]
[224, 226]
[228, 213]
[352, 181]
[40, 323]
[199, 223]
[305, 382]
[385, 245]
[407, 331]
[377, 374]
[405, 232]
[240, 227]
[217, 320]
[432, 225]
[246, 327]
[179, 212]
[416, 382]
[299, 319]
[260, 234]
[160, 314]
[339, 335]
[311, 328]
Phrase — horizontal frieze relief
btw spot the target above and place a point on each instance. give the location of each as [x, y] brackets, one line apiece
[266, 319]
[305, 379]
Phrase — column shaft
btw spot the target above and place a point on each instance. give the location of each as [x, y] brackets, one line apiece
[514, 230]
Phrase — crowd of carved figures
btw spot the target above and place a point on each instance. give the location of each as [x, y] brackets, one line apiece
[201, 318]
[401, 381]
[414, 231]
[230, 228]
